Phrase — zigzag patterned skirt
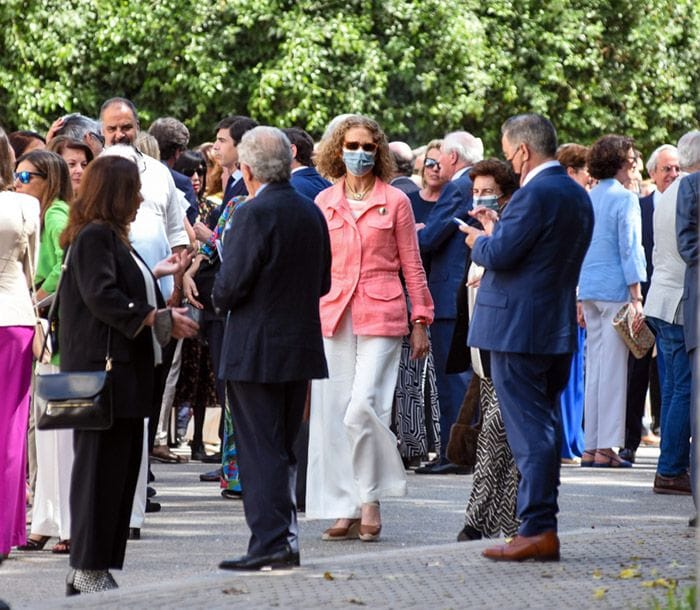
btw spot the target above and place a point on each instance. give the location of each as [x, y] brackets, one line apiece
[492, 505]
[416, 408]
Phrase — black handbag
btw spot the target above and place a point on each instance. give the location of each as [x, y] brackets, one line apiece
[79, 400]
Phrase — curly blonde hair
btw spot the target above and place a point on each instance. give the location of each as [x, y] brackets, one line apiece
[329, 157]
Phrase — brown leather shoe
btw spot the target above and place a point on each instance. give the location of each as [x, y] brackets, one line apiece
[675, 486]
[543, 547]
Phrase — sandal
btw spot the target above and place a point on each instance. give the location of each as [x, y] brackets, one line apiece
[611, 460]
[588, 458]
[62, 547]
[33, 544]
[163, 455]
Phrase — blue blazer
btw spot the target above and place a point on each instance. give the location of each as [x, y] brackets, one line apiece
[441, 239]
[276, 267]
[647, 206]
[308, 182]
[687, 241]
[526, 302]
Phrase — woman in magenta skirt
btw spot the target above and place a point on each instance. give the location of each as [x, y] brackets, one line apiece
[19, 238]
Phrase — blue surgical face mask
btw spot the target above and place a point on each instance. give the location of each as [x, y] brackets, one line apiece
[488, 201]
[358, 162]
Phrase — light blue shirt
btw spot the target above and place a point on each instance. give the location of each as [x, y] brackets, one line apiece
[615, 258]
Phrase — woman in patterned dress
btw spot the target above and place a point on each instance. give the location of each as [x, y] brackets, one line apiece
[491, 507]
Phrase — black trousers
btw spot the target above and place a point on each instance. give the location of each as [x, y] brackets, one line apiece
[266, 420]
[213, 330]
[641, 374]
[105, 472]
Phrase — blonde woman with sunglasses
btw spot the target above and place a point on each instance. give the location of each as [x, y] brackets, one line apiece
[353, 459]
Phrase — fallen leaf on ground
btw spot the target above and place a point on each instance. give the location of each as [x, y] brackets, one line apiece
[666, 583]
[627, 573]
[328, 576]
[600, 592]
[597, 574]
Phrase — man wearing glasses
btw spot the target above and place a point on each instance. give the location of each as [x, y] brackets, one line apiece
[158, 230]
[445, 245]
[663, 169]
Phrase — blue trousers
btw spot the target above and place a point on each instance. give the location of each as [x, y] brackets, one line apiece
[451, 388]
[675, 402]
[528, 388]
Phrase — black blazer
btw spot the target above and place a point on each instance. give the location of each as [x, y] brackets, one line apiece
[647, 207]
[276, 267]
[102, 288]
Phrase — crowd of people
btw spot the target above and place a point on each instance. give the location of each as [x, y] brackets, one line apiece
[343, 304]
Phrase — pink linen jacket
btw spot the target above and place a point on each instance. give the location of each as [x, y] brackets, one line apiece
[368, 253]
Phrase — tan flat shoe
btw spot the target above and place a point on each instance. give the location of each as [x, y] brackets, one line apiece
[343, 533]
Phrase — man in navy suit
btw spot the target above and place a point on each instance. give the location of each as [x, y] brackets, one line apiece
[403, 158]
[663, 168]
[687, 241]
[305, 179]
[445, 245]
[229, 132]
[525, 315]
[276, 267]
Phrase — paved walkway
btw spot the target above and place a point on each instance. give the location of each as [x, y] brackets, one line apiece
[618, 538]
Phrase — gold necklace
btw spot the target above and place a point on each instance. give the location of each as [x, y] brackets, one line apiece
[358, 195]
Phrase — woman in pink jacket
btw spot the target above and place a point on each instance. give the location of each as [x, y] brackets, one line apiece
[353, 458]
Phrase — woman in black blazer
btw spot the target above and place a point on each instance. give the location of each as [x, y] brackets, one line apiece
[109, 304]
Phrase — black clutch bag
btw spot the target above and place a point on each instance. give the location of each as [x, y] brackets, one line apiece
[80, 400]
[77, 400]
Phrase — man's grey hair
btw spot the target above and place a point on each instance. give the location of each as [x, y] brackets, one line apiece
[77, 126]
[689, 151]
[126, 151]
[171, 134]
[403, 157]
[335, 121]
[469, 149]
[534, 130]
[268, 153]
[654, 157]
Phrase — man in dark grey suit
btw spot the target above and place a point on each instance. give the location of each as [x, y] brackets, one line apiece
[276, 266]
[525, 315]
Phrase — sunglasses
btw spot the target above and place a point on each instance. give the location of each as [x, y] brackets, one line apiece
[189, 172]
[366, 146]
[25, 177]
[431, 163]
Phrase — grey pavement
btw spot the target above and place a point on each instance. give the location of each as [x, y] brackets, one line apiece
[618, 539]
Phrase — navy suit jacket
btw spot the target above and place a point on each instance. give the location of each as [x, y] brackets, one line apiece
[308, 182]
[526, 302]
[405, 184]
[441, 239]
[184, 184]
[647, 206]
[687, 241]
[233, 189]
[276, 267]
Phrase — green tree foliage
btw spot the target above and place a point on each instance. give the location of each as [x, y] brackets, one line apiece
[420, 67]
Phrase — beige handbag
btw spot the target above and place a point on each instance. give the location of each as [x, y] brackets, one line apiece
[638, 343]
